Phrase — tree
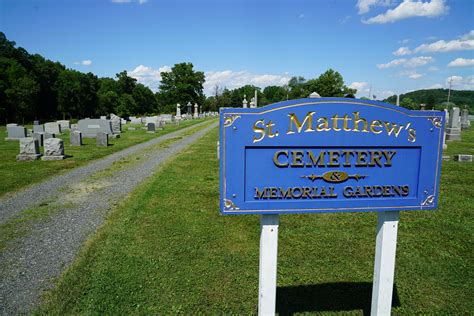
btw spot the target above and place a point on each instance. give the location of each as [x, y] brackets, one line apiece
[297, 87]
[181, 85]
[125, 84]
[408, 103]
[144, 99]
[330, 84]
[274, 94]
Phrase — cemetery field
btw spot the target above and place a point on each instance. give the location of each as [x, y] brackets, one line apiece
[166, 249]
[16, 175]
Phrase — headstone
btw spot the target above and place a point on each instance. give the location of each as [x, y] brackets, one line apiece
[166, 118]
[135, 120]
[90, 127]
[40, 138]
[123, 121]
[29, 149]
[453, 132]
[36, 122]
[314, 95]
[38, 128]
[48, 136]
[463, 158]
[190, 109]
[445, 146]
[12, 124]
[465, 119]
[75, 138]
[244, 102]
[15, 132]
[422, 107]
[178, 111]
[52, 127]
[53, 149]
[150, 127]
[196, 115]
[102, 139]
[103, 117]
[116, 123]
[73, 127]
[64, 124]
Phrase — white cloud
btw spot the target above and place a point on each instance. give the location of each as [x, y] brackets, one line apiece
[461, 62]
[409, 9]
[410, 63]
[86, 62]
[465, 42]
[364, 5]
[361, 86]
[235, 79]
[402, 51]
[435, 86]
[460, 83]
[148, 76]
[411, 74]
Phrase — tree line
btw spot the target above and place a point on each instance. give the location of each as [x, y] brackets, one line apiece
[32, 87]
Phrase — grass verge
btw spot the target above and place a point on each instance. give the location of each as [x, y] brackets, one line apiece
[166, 250]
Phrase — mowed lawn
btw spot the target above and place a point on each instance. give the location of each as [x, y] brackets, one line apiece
[166, 250]
[16, 175]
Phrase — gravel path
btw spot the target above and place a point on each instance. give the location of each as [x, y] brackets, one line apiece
[29, 265]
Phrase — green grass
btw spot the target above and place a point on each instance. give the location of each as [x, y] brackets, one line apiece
[167, 250]
[16, 175]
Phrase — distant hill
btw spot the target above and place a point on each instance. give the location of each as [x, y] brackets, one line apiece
[437, 97]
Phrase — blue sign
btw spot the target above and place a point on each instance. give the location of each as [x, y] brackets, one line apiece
[329, 155]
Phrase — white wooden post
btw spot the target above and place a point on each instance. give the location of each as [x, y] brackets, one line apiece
[268, 264]
[384, 265]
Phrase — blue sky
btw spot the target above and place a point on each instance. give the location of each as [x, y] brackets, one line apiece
[388, 46]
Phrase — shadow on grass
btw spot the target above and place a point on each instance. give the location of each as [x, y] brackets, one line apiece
[327, 297]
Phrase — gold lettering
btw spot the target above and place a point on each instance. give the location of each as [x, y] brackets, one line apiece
[297, 159]
[285, 194]
[411, 135]
[273, 193]
[361, 159]
[358, 120]
[348, 192]
[335, 118]
[393, 128]
[347, 154]
[294, 195]
[345, 123]
[306, 192]
[388, 157]
[277, 162]
[258, 130]
[333, 159]
[299, 126]
[269, 129]
[323, 125]
[316, 161]
[376, 124]
[375, 158]
[260, 194]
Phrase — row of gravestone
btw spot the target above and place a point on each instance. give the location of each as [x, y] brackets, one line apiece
[44, 135]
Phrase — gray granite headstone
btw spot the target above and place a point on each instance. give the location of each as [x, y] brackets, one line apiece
[38, 128]
[52, 127]
[40, 138]
[75, 138]
[36, 122]
[453, 131]
[150, 127]
[102, 139]
[116, 123]
[53, 149]
[103, 117]
[29, 149]
[90, 127]
[15, 132]
[465, 123]
[64, 124]
[48, 136]
[463, 158]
